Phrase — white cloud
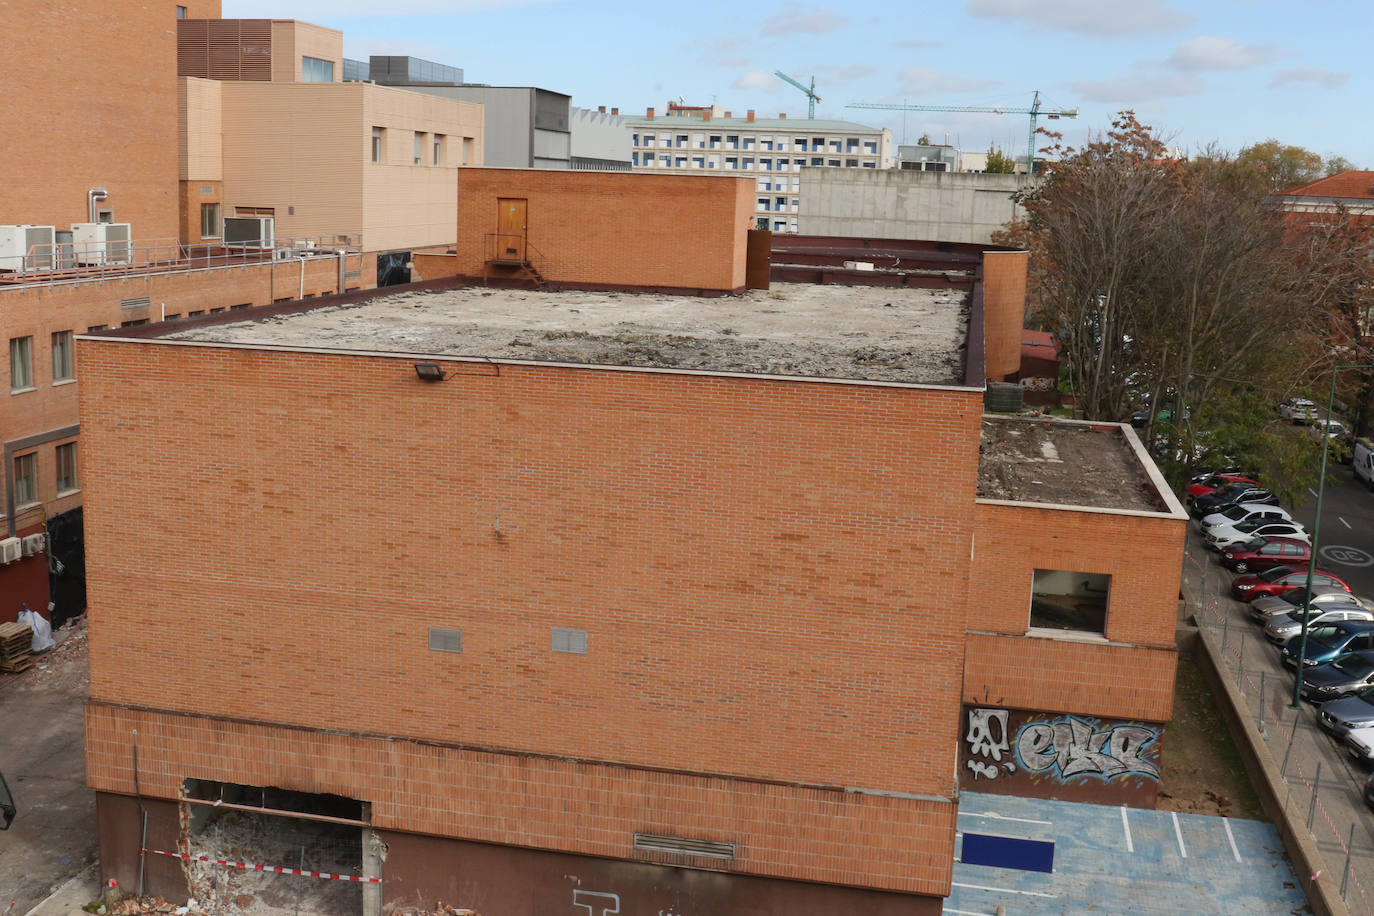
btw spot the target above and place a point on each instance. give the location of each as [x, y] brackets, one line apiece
[1086, 17]
[755, 79]
[795, 19]
[1327, 79]
[926, 81]
[1137, 88]
[1211, 52]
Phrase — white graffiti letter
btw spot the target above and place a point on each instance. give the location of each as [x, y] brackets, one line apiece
[983, 739]
[1036, 747]
[979, 768]
[1126, 743]
[597, 903]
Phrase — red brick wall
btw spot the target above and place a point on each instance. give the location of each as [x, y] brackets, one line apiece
[1004, 310]
[1143, 554]
[24, 582]
[614, 228]
[94, 105]
[750, 557]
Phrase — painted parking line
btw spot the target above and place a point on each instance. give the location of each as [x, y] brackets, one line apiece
[1232, 837]
[1001, 890]
[1126, 825]
[1003, 817]
[1178, 832]
[1343, 521]
[1313, 492]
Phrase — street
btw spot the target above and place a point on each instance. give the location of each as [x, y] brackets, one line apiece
[1346, 539]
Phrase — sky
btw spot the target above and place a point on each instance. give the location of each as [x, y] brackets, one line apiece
[1223, 72]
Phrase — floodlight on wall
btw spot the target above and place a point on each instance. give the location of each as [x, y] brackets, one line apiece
[430, 372]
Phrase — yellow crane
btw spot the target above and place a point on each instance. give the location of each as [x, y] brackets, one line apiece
[1035, 112]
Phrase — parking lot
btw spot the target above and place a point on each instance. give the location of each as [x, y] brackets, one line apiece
[1324, 784]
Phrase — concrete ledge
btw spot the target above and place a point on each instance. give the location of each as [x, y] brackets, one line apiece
[1324, 894]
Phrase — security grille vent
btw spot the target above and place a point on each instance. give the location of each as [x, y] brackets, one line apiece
[651, 842]
[568, 640]
[225, 49]
[442, 640]
[138, 302]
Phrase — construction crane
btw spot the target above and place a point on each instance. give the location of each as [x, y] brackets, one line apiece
[811, 96]
[1034, 111]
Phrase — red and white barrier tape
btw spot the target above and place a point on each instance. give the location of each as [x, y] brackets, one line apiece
[276, 869]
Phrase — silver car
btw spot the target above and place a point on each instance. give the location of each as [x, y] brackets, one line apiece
[1341, 717]
[1279, 630]
[1323, 596]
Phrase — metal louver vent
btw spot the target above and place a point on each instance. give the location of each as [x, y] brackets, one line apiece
[138, 302]
[565, 639]
[652, 842]
[443, 640]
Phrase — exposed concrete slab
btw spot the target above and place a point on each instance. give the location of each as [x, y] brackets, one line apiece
[854, 332]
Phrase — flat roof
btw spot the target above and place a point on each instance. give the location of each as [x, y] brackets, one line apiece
[853, 332]
[1065, 463]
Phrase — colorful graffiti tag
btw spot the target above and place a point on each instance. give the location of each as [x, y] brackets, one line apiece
[1060, 749]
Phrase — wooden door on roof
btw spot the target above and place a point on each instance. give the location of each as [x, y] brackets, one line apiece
[510, 228]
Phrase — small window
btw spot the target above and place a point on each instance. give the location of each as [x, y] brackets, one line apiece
[62, 369]
[209, 221]
[181, 12]
[377, 133]
[1062, 600]
[194, 312]
[97, 327]
[21, 363]
[25, 479]
[445, 640]
[563, 639]
[419, 147]
[138, 322]
[66, 468]
[438, 149]
[314, 70]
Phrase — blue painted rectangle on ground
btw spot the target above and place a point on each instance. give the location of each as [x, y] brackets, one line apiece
[1008, 852]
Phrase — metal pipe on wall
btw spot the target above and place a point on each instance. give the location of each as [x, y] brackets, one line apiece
[93, 195]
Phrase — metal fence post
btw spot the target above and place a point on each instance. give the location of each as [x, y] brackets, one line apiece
[1283, 769]
[1349, 850]
[1316, 784]
[1240, 675]
[1261, 706]
[1225, 633]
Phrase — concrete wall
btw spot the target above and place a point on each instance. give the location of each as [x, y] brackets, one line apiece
[89, 100]
[597, 135]
[292, 40]
[747, 556]
[508, 126]
[614, 228]
[895, 204]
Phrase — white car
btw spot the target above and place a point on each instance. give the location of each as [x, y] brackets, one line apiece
[1281, 629]
[1298, 410]
[1243, 512]
[1219, 537]
[1360, 743]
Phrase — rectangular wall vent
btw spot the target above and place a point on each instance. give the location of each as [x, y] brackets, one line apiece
[138, 302]
[651, 842]
[443, 640]
[564, 639]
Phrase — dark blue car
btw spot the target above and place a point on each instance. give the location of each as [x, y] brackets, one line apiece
[1328, 640]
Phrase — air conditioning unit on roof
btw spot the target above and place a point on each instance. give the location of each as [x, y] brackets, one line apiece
[27, 247]
[35, 544]
[96, 244]
[11, 550]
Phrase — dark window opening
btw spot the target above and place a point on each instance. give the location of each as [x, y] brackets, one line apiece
[1063, 600]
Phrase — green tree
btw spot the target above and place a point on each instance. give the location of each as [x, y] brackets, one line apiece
[1335, 164]
[924, 140]
[1000, 163]
[1283, 166]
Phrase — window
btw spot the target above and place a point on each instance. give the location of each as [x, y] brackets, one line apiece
[634, 139]
[133, 324]
[664, 161]
[377, 133]
[650, 139]
[314, 70]
[467, 150]
[25, 479]
[680, 162]
[766, 164]
[748, 142]
[1062, 600]
[442, 639]
[835, 145]
[779, 226]
[209, 221]
[871, 147]
[698, 162]
[761, 223]
[181, 12]
[732, 141]
[817, 160]
[62, 369]
[833, 163]
[747, 162]
[699, 141]
[732, 162]
[66, 468]
[766, 143]
[21, 363]
[97, 327]
[565, 639]
[715, 141]
[438, 149]
[763, 203]
[681, 140]
[851, 163]
[419, 147]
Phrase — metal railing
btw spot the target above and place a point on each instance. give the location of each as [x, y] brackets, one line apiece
[66, 261]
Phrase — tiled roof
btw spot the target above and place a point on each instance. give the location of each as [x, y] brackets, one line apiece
[1355, 183]
[1038, 345]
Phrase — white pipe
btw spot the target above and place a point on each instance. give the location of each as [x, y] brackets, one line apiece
[92, 196]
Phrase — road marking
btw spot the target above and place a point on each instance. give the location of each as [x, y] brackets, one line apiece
[1004, 817]
[1313, 492]
[961, 912]
[1178, 833]
[1002, 890]
[1346, 556]
[1230, 836]
[1343, 521]
[1126, 825]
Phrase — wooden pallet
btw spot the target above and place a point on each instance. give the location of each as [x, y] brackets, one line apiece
[15, 637]
[13, 664]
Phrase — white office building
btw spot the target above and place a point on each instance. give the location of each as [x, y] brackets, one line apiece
[772, 151]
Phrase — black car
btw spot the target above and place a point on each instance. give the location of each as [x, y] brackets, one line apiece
[1348, 674]
[1229, 496]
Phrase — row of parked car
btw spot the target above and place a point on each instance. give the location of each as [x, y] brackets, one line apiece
[1270, 552]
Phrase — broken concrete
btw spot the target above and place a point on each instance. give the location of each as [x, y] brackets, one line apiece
[857, 332]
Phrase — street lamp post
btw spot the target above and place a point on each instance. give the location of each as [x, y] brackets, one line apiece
[1316, 533]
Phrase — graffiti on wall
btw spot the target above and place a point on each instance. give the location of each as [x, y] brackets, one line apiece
[1058, 747]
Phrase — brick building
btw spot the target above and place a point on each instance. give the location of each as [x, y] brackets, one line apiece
[560, 601]
[119, 192]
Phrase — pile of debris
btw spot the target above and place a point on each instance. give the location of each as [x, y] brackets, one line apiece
[142, 906]
[442, 909]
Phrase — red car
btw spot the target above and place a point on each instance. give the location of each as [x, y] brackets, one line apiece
[1216, 481]
[1279, 580]
[1260, 554]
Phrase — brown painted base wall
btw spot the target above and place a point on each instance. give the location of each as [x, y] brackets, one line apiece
[510, 881]
[24, 582]
[119, 820]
